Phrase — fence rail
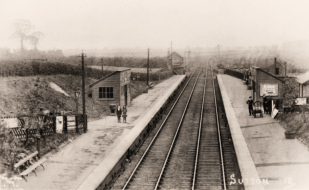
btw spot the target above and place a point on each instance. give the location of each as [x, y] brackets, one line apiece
[234, 73]
[26, 129]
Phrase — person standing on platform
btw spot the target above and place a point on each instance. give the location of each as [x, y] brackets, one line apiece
[119, 112]
[250, 104]
[269, 102]
[265, 104]
[124, 113]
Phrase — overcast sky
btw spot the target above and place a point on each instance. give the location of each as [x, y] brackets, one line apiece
[143, 23]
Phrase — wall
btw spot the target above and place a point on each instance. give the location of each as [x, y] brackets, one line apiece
[305, 90]
[112, 81]
[125, 79]
[179, 70]
[281, 67]
[263, 78]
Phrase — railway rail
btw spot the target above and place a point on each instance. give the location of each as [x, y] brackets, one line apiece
[192, 149]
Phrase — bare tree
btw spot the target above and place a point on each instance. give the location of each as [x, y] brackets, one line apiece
[22, 30]
[34, 39]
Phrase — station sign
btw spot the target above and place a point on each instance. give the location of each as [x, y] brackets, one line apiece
[59, 124]
[269, 89]
[300, 101]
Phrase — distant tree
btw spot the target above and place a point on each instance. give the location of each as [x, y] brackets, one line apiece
[34, 39]
[22, 31]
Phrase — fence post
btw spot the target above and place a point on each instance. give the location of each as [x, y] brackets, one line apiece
[86, 119]
[76, 123]
[65, 124]
[54, 123]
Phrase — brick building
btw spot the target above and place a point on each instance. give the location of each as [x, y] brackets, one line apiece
[277, 69]
[112, 90]
[263, 82]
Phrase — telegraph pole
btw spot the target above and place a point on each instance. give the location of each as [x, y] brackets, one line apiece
[102, 66]
[171, 55]
[148, 69]
[83, 93]
[219, 54]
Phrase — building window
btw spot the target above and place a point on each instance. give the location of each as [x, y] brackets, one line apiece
[106, 93]
[277, 71]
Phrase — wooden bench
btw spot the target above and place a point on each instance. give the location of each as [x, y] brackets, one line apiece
[29, 163]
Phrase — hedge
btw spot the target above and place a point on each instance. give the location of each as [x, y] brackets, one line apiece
[51, 68]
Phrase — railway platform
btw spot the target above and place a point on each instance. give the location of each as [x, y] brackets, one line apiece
[85, 162]
[280, 163]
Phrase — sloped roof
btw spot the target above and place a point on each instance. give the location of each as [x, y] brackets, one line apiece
[303, 78]
[176, 54]
[107, 76]
[257, 68]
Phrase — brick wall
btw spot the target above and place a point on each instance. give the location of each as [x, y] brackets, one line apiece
[272, 69]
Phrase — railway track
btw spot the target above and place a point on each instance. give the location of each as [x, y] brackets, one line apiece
[190, 150]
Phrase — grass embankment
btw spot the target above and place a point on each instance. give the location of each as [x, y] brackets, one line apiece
[26, 87]
[17, 97]
[297, 122]
[17, 94]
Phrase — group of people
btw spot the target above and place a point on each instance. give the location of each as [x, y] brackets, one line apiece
[122, 112]
[266, 105]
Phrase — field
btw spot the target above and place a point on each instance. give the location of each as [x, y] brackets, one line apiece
[133, 70]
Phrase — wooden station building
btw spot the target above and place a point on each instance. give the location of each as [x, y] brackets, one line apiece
[263, 82]
[112, 90]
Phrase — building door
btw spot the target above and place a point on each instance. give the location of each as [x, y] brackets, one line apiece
[126, 94]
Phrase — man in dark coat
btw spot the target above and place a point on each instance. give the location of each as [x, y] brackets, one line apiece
[119, 112]
[269, 103]
[250, 104]
[124, 113]
[265, 104]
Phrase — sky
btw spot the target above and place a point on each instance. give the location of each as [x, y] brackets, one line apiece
[98, 24]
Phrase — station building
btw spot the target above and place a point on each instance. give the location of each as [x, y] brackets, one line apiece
[112, 90]
[266, 83]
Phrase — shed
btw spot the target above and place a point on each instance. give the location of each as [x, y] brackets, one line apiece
[112, 90]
